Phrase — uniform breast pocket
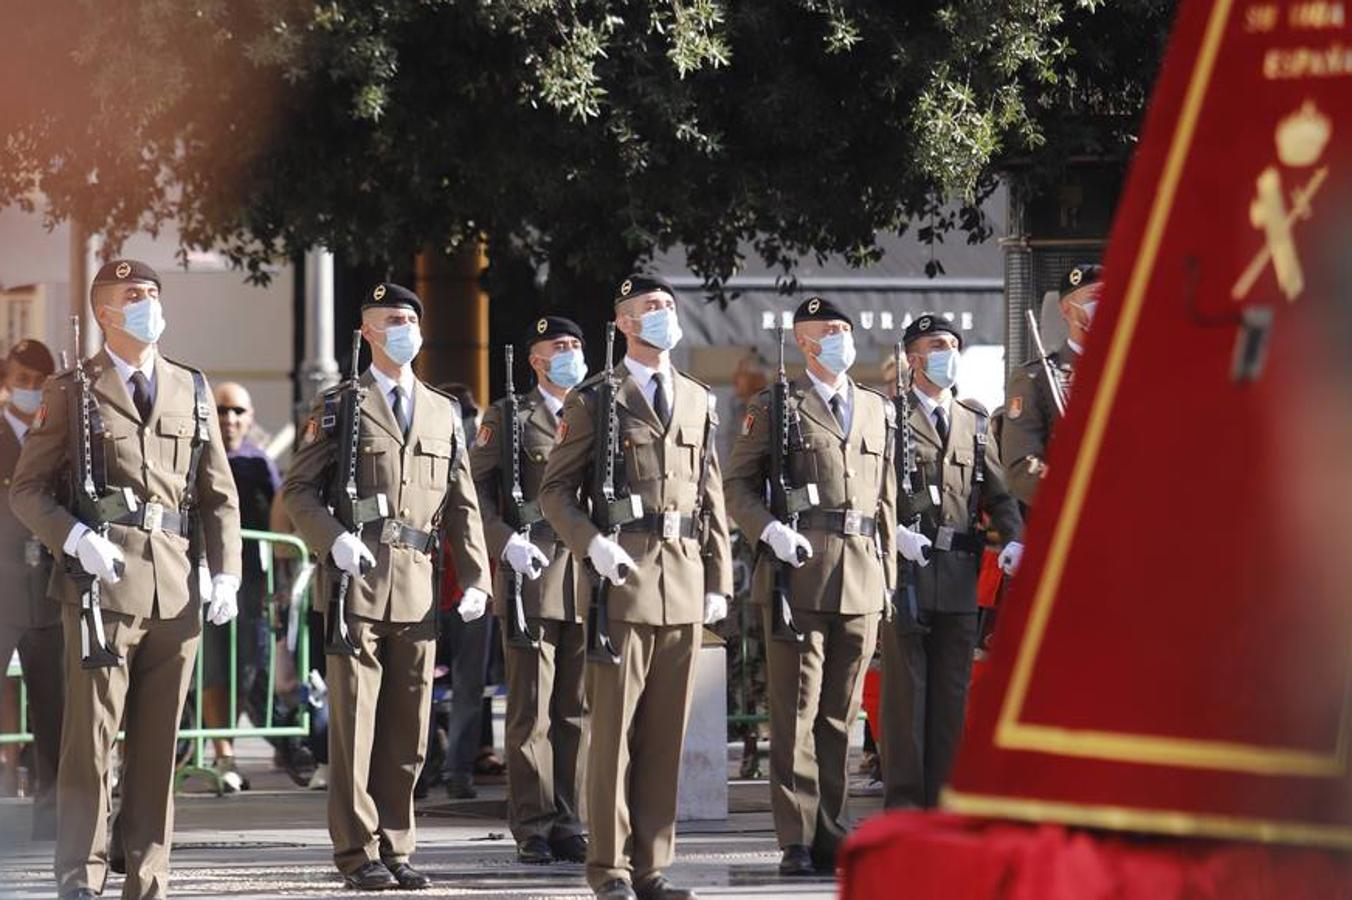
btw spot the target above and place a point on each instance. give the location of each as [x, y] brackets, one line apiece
[433, 461]
[686, 460]
[122, 448]
[871, 456]
[812, 464]
[372, 460]
[174, 434]
[641, 455]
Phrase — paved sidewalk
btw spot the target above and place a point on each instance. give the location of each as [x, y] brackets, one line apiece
[272, 842]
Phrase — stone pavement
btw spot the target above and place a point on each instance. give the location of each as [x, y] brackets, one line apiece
[272, 842]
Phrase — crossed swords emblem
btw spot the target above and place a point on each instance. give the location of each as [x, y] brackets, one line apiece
[1300, 139]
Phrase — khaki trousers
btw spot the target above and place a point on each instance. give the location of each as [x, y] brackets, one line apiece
[385, 691]
[815, 691]
[145, 696]
[638, 715]
[40, 654]
[546, 705]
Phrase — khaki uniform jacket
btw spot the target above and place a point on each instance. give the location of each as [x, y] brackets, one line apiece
[414, 473]
[662, 468]
[1030, 417]
[848, 574]
[948, 583]
[151, 459]
[23, 602]
[545, 597]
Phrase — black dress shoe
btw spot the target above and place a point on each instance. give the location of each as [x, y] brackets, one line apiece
[117, 864]
[616, 889]
[824, 862]
[658, 888]
[372, 876]
[409, 878]
[571, 849]
[534, 850]
[796, 861]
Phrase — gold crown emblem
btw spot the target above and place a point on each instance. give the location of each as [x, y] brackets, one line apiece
[1076, 276]
[378, 293]
[540, 326]
[123, 270]
[813, 305]
[626, 288]
[1301, 136]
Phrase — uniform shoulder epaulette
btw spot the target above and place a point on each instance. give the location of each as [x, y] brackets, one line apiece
[873, 390]
[183, 365]
[975, 406]
[63, 374]
[694, 379]
[455, 404]
[589, 384]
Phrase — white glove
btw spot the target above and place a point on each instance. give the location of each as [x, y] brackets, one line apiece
[472, 604]
[912, 545]
[1010, 557]
[524, 557]
[348, 552]
[100, 557]
[784, 541]
[608, 556]
[715, 608]
[224, 606]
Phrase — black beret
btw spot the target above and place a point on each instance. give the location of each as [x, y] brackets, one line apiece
[548, 327]
[121, 271]
[388, 295]
[817, 309]
[1079, 276]
[930, 323]
[635, 285]
[34, 355]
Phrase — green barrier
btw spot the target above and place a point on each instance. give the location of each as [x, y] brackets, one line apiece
[22, 736]
[200, 733]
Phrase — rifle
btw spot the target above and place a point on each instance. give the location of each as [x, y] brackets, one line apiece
[96, 506]
[787, 500]
[915, 502]
[353, 512]
[609, 511]
[517, 512]
[1057, 397]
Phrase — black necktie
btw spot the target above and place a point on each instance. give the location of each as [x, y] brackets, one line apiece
[660, 405]
[838, 410]
[941, 424]
[397, 407]
[140, 395]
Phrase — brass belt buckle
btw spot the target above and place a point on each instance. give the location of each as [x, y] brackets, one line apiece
[943, 539]
[671, 525]
[152, 517]
[854, 519]
[391, 531]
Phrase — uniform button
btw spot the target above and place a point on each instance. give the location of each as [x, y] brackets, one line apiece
[404, 480]
[403, 513]
[849, 473]
[667, 474]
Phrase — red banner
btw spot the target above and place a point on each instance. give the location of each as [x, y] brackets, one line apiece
[1176, 654]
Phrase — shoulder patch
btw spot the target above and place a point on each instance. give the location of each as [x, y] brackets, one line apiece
[311, 433]
[1015, 408]
[562, 431]
[749, 421]
[484, 437]
[40, 417]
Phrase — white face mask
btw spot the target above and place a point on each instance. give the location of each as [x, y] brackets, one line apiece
[144, 320]
[941, 368]
[26, 400]
[402, 342]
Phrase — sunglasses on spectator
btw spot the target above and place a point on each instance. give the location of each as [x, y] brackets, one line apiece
[237, 410]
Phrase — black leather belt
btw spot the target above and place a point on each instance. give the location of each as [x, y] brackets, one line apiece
[947, 540]
[838, 521]
[155, 517]
[668, 525]
[396, 533]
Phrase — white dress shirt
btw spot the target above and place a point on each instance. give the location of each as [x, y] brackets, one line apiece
[125, 370]
[552, 403]
[929, 405]
[19, 425]
[647, 380]
[842, 389]
[388, 384]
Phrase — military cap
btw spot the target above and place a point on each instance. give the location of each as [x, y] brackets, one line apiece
[817, 309]
[34, 355]
[388, 295]
[1080, 276]
[548, 327]
[927, 324]
[635, 285]
[125, 271]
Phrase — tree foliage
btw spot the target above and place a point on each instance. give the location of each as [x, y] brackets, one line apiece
[579, 136]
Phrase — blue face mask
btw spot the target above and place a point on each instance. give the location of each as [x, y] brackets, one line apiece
[567, 368]
[836, 352]
[660, 328]
[144, 320]
[402, 342]
[941, 367]
[26, 400]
